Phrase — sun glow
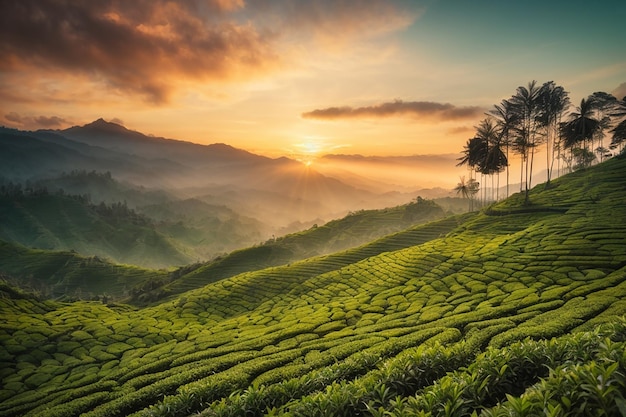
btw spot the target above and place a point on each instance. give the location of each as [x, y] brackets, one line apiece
[309, 149]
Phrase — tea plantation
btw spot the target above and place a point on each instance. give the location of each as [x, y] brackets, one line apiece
[514, 311]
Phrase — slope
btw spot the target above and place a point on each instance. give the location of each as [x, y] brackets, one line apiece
[337, 335]
[57, 221]
[70, 276]
[347, 232]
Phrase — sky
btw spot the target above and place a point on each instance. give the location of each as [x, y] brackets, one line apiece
[299, 78]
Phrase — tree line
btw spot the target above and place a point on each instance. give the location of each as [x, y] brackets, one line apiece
[537, 116]
[10, 191]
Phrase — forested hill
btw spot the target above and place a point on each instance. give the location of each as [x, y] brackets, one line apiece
[85, 239]
[515, 310]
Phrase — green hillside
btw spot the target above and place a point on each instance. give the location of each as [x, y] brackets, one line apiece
[348, 232]
[60, 221]
[514, 311]
[93, 214]
[70, 276]
[56, 221]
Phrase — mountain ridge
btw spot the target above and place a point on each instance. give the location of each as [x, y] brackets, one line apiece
[189, 170]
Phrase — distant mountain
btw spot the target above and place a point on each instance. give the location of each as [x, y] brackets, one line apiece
[115, 137]
[45, 154]
[277, 191]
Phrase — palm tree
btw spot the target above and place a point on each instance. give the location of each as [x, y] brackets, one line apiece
[467, 190]
[474, 155]
[603, 104]
[581, 128]
[526, 104]
[583, 157]
[619, 131]
[493, 159]
[553, 101]
[506, 120]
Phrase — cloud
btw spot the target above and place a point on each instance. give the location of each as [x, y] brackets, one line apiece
[461, 129]
[142, 46]
[153, 48]
[423, 110]
[334, 23]
[35, 122]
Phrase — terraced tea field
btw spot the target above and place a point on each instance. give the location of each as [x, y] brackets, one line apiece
[516, 310]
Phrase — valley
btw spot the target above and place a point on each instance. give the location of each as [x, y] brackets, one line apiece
[484, 312]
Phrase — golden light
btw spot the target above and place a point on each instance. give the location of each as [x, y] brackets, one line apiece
[309, 149]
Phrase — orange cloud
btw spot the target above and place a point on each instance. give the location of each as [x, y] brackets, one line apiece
[152, 48]
[427, 110]
[461, 129]
[139, 46]
[43, 122]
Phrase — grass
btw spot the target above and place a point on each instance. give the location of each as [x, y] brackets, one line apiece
[502, 312]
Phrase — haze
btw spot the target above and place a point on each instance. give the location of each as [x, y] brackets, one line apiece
[297, 78]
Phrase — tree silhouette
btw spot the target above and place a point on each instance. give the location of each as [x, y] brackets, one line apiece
[533, 116]
[506, 120]
[467, 189]
[474, 153]
[492, 159]
[553, 102]
[619, 131]
[603, 105]
[581, 127]
[526, 104]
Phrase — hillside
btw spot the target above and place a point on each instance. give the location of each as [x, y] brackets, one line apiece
[515, 310]
[67, 275]
[176, 232]
[61, 222]
[96, 215]
[348, 232]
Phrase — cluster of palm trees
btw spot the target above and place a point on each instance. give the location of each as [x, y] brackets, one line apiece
[533, 117]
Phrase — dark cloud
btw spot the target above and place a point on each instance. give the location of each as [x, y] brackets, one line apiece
[427, 110]
[461, 129]
[142, 46]
[35, 122]
[153, 47]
